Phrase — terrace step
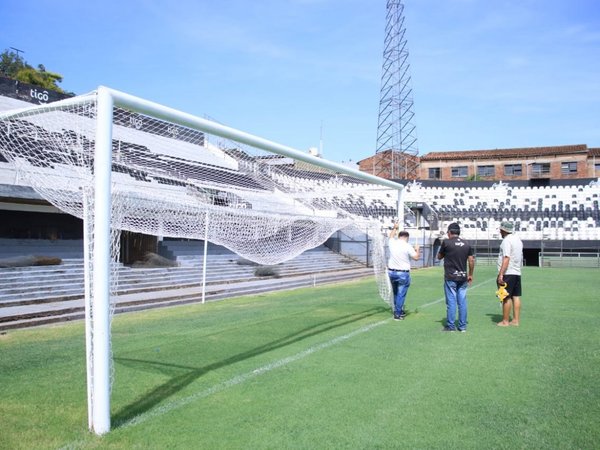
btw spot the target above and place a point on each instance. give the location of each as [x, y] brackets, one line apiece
[22, 316]
[31, 296]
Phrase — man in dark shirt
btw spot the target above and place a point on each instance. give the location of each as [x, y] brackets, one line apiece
[457, 255]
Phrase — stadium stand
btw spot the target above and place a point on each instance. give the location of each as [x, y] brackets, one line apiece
[569, 212]
[37, 295]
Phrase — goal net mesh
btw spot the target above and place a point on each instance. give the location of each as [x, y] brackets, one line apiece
[170, 180]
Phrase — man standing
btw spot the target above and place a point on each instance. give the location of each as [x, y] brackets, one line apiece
[457, 255]
[510, 260]
[399, 267]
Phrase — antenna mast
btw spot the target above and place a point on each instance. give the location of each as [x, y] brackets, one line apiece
[396, 134]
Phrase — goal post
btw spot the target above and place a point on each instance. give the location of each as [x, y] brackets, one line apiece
[100, 359]
[120, 162]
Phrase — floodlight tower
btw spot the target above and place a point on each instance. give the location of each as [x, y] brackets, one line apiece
[396, 133]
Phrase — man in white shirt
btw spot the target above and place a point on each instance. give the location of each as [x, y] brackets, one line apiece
[399, 267]
[510, 260]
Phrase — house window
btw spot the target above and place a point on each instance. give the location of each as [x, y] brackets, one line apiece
[539, 169]
[486, 171]
[435, 173]
[568, 168]
[597, 167]
[513, 169]
[460, 172]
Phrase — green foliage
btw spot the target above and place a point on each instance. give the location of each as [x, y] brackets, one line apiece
[266, 271]
[323, 367]
[14, 66]
[11, 63]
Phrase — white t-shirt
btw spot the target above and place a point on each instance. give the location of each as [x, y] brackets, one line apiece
[512, 247]
[400, 253]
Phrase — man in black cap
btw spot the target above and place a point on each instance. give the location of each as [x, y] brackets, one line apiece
[457, 255]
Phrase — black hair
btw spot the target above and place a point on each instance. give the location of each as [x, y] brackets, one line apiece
[454, 228]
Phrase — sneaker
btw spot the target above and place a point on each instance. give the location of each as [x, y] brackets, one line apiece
[463, 331]
[398, 317]
[403, 314]
[448, 329]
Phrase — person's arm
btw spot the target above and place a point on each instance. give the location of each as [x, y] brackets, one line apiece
[471, 261]
[416, 256]
[441, 253]
[503, 267]
[394, 231]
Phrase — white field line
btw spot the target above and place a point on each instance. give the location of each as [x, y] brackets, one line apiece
[244, 377]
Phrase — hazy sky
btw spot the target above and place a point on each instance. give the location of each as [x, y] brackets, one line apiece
[485, 74]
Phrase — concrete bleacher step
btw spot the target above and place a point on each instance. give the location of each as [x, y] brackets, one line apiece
[31, 296]
[16, 296]
[21, 316]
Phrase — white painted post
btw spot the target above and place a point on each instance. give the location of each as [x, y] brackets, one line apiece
[88, 303]
[400, 207]
[205, 256]
[101, 286]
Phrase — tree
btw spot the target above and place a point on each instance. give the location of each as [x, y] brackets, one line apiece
[14, 66]
[11, 63]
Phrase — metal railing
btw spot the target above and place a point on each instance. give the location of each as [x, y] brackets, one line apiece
[569, 259]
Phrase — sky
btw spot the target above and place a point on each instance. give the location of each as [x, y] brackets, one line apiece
[307, 73]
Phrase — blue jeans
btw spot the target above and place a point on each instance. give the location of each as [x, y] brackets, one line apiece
[400, 283]
[456, 294]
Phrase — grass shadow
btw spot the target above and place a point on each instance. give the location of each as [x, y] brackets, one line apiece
[495, 318]
[183, 375]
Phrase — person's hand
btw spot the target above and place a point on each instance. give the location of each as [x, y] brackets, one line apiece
[470, 279]
[500, 279]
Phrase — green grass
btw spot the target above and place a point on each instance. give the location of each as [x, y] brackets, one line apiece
[324, 367]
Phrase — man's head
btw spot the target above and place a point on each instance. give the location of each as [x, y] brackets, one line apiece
[454, 229]
[506, 228]
[403, 234]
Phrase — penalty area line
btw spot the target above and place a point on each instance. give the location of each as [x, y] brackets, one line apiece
[243, 377]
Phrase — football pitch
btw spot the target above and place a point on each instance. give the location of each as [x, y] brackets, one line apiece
[324, 368]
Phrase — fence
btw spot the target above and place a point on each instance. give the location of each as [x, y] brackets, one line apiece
[570, 259]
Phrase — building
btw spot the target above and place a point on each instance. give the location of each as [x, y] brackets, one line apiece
[536, 164]
[389, 164]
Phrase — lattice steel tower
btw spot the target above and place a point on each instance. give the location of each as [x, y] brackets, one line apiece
[396, 154]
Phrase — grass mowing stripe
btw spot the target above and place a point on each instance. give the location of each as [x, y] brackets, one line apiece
[245, 377]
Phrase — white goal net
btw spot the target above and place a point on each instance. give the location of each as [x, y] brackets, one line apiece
[122, 163]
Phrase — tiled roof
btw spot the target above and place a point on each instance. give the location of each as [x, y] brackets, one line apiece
[594, 151]
[506, 153]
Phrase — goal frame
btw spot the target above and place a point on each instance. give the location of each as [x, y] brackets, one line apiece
[98, 314]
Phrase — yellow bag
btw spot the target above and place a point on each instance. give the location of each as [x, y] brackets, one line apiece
[502, 293]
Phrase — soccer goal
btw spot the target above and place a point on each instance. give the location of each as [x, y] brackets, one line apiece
[122, 163]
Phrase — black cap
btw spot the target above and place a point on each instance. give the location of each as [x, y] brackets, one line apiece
[454, 228]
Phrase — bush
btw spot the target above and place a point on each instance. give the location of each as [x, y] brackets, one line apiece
[266, 271]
